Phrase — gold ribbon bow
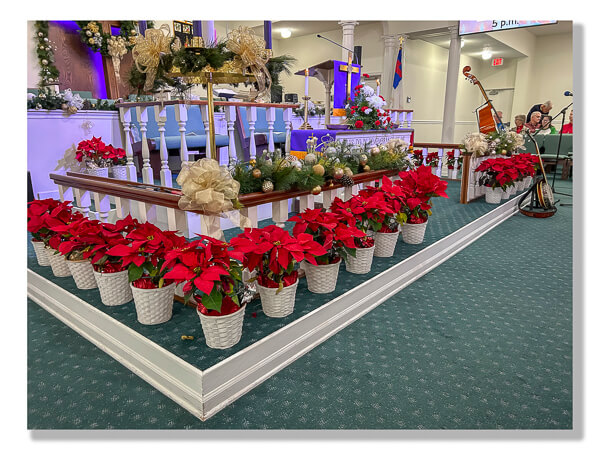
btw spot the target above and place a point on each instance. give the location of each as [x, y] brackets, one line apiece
[251, 50]
[149, 49]
[208, 187]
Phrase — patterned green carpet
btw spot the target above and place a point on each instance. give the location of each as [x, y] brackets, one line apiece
[474, 344]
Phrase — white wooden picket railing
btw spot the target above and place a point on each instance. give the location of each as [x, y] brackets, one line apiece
[159, 112]
[402, 117]
[442, 169]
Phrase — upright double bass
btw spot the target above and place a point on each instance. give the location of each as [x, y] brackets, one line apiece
[486, 112]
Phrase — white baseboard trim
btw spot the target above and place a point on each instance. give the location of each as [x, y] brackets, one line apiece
[205, 392]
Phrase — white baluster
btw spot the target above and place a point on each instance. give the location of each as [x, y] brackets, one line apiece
[181, 115]
[402, 119]
[454, 175]
[83, 201]
[409, 117]
[205, 116]
[395, 117]
[440, 162]
[280, 212]
[65, 193]
[121, 207]
[270, 113]
[328, 197]
[142, 114]
[287, 118]
[251, 118]
[102, 205]
[126, 121]
[160, 115]
[252, 214]
[425, 152]
[230, 117]
[307, 202]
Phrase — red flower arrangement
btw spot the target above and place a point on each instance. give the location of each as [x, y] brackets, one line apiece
[274, 254]
[391, 195]
[418, 157]
[95, 152]
[59, 216]
[366, 110]
[75, 237]
[36, 212]
[432, 160]
[497, 172]
[210, 272]
[337, 238]
[369, 210]
[419, 187]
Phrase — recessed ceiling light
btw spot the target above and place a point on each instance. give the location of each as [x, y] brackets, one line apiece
[486, 53]
[285, 33]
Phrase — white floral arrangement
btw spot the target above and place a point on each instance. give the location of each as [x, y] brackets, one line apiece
[476, 143]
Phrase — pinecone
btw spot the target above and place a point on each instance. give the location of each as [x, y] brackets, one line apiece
[347, 181]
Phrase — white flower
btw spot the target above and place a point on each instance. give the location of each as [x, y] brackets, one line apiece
[375, 101]
[73, 99]
[368, 111]
[30, 96]
[367, 91]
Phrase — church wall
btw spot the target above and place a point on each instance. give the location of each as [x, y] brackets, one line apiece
[32, 65]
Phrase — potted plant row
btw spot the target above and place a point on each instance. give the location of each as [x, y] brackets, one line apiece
[99, 157]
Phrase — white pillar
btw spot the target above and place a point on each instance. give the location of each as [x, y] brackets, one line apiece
[451, 86]
[390, 53]
[348, 37]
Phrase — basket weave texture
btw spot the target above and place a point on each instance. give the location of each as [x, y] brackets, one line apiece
[223, 331]
[322, 279]
[385, 244]
[40, 253]
[83, 274]
[98, 172]
[119, 172]
[413, 233]
[154, 306]
[278, 304]
[493, 195]
[58, 264]
[114, 288]
[362, 262]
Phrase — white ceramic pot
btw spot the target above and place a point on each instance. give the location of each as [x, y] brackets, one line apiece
[114, 287]
[119, 172]
[40, 253]
[98, 171]
[58, 264]
[413, 233]
[322, 279]
[83, 274]
[385, 244]
[278, 304]
[362, 262]
[493, 195]
[153, 306]
[223, 331]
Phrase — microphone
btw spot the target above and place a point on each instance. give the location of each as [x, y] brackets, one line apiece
[568, 94]
[335, 43]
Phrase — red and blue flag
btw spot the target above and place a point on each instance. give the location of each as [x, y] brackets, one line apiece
[398, 71]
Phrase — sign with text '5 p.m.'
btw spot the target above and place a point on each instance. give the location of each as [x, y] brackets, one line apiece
[485, 26]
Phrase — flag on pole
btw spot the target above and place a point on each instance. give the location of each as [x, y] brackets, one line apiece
[398, 71]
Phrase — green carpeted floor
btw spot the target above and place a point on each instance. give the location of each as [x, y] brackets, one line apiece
[476, 343]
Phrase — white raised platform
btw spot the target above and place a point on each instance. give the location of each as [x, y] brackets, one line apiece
[205, 392]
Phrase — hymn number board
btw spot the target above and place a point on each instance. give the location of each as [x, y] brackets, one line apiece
[184, 30]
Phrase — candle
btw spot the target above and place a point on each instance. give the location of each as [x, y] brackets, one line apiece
[377, 86]
[143, 26]
[267, 35]
[198, 28]
[306, 82]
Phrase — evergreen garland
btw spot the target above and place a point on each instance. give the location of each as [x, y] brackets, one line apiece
[91, 34]
[48, 71]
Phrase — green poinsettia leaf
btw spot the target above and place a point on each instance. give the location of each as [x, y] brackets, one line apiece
[135, 272]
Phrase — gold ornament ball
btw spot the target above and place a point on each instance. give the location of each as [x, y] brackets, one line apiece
[45, 62]
[310, 158]
[256, 173]
[375, 151]
[338, 173]
[91, 40]
[252, 162]
[363, 159]
[319, 170]
[366, 168]
[348, 171]
[316, 190]
[72, 109]
[503, 152]
[40, 34]
[267, 186]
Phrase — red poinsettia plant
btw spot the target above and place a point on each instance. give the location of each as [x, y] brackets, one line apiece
[273, 252]
[144, 256]
[211, 274]
[525, 164]
[497, 173]
[453, 160]
[94, 152]
[117, 155]
[366, 111]
[74, 235]
[417, 156]
[59, 216]
[36, 212]
[367, 211]
[432, 160]
[391, 195]
[419, 187]
[336, 237]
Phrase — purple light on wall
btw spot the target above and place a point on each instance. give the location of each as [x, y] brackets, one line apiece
[95, 57]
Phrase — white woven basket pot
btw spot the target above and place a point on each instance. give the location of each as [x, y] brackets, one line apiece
[40, 253]
[413, 233]
[322, 279]
[114, 287]
[493, 195]
[83, 274]
[362, 262]
[512, 190]
[58, 264]
[385, 244]
[99, 171]
[278, 304]
[119, 172]
[223, 331]
[154, 306]
[528, 181]
[505, 194]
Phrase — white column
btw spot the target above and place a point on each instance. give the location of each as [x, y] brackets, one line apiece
[390, 53]
[251, 118]
[160, 114]
[451, 86]
[327, 102]
[181, 115]
[270, 113]
[147, 176]
[230, 118]
[126, 120]
[348, 37]
[287, 118]
[204, 114]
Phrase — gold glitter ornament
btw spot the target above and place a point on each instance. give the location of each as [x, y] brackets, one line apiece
[375, 151]
[256, 173]
[348, 171]
[367, 169]
[338, 173]
[362, 159]
[310, 158]
[319, 170]
[316, 190]
[267, 186]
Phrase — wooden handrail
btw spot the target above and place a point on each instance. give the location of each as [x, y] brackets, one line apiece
[400, 110]
[430, 145]
[205, 102]
[169, 197]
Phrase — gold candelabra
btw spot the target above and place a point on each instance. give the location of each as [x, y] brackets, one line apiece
[306, 125]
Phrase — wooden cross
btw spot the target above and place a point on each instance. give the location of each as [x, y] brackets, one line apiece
[350, 69]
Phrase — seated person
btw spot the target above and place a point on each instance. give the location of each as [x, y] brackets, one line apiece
[544, 108]
[534, 123]
[519, 122]
[546, 127]
[568, 127]
[498, 120]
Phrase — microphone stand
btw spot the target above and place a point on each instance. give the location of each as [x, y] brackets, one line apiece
[354, 61]
[563, 112]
